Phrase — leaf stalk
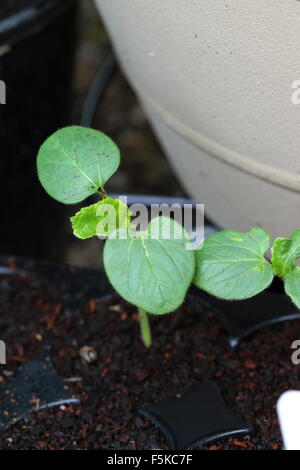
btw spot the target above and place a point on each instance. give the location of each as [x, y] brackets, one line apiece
[102, 193]
[145, 328]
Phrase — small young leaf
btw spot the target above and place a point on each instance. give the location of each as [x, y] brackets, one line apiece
[149, 270]
[292, 284]
[285, 251]
[101, 219]
[74, 162]
[231, 265]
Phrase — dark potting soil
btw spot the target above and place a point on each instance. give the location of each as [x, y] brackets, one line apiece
[59, 312]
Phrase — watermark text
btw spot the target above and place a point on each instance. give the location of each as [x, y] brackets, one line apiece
[189, 220]
[2, 92]
[2, 353]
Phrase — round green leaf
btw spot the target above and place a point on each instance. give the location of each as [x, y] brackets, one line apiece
[101, 219]
[74, 162]
[231, 265]
[292, 286]
[152, 269]
[285, 251]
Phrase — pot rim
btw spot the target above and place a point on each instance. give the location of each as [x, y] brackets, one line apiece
[31, 20]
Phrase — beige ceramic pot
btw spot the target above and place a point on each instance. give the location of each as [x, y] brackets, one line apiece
[216, 80]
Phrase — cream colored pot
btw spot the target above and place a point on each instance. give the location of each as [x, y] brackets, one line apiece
[216, 79]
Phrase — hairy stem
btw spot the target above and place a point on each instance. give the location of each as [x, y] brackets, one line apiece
[145, 328]
[102, 193]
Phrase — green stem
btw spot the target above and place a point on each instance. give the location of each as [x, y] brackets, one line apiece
[145, 328]
[102, 193]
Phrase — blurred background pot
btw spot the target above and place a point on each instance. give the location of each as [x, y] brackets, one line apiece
[215, 78]
[37, 44]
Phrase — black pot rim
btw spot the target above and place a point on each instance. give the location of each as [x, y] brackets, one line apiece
[31, 20]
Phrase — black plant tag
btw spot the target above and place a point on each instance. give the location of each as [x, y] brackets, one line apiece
[242, 318]
[34, 387]
[195, 419]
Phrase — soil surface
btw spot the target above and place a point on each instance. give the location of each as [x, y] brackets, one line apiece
[59, 312]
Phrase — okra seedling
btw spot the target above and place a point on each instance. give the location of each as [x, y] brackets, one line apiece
[153, 269]
[147, 268]
[232, 265]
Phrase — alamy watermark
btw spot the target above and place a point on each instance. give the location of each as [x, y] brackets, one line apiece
[295, 357]
[188, 216]
[2, 92]
[2, 352]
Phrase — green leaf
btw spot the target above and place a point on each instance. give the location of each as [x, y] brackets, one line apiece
[101, 219]
[152, 269]
[285, 251]
[292, 284]
[74, 162]
[231, 265]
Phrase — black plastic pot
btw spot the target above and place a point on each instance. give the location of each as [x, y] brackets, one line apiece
[37, 47]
